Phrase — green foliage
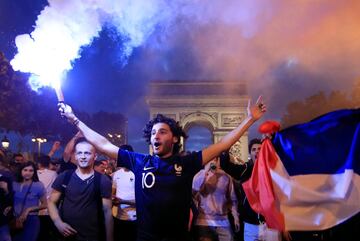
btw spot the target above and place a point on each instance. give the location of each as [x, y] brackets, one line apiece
[27, 112]
[15, 98]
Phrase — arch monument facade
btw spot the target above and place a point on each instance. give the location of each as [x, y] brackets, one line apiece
[218, 106]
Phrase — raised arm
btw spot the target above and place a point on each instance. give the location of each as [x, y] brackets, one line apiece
[69, 148]
[101, 143]
[54, 148]
[255, 112]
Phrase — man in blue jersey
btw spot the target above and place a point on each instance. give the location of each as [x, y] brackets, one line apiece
[163, 181]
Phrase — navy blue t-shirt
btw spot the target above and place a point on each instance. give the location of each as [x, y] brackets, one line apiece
[80, 208]
[162, 192]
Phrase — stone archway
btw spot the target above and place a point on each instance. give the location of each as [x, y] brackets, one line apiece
[218, 106]
[198, 119]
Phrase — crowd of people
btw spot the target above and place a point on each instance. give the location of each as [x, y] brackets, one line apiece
[167, 195]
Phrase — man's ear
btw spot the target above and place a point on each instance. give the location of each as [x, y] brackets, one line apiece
[175, 139]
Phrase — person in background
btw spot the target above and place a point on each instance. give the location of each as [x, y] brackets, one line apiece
[252, 222]
[214, 194]
[19, 158]
[55, 165]
[163, 180]
[6, 200]
[47, 177]
[100, 166]
[29, 199]
[124, 210]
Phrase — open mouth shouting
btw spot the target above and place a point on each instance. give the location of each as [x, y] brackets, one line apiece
[157, 146]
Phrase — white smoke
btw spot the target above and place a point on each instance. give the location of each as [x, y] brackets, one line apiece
[65, 26]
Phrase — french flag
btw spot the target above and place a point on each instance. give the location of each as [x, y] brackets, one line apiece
[308, 176]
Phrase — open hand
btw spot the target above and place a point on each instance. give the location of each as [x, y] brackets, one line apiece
[23, 216]
[65, 229]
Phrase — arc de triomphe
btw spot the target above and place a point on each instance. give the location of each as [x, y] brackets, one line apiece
[218, 106]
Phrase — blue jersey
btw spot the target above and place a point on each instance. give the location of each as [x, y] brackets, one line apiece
[163, 193]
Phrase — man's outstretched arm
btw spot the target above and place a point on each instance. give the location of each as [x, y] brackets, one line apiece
[255, 112]
[101, 143]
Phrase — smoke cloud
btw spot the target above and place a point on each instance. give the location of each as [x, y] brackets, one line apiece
[287, 48]
[64, 27]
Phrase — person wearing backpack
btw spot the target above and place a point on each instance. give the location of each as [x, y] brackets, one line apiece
[85, 199]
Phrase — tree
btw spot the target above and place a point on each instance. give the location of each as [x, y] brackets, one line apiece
[316, 105]
[355, 95]
[111, 125]
[30, 113]
[15, 98]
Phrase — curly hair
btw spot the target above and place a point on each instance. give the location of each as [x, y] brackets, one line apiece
[175, 128]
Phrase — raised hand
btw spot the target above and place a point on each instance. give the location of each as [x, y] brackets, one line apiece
[56, 146]
[66, 111]
[256, 111]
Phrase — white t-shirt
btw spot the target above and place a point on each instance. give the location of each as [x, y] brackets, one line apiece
[47, 177]
[124, 183]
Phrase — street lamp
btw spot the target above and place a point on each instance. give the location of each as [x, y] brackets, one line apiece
[5, 143]
[115, 138]
[39, 141]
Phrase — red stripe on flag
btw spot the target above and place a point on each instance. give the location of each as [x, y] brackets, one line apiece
[259, 190]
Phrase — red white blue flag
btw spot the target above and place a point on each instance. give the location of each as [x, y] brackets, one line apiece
[308, 176]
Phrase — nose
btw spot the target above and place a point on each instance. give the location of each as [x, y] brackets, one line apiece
[156, 135]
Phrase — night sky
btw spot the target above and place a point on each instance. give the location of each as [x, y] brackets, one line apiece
[284, 50]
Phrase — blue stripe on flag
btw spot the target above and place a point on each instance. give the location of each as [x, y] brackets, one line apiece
[326, 145]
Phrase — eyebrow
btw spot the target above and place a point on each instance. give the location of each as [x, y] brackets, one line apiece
[161, 129]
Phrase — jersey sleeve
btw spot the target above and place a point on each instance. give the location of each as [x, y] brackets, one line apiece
[193, 162]
[129, 160]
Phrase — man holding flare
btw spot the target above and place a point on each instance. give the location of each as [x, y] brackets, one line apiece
[163, 181]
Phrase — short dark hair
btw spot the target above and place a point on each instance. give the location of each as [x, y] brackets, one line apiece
[253, 142]
[55, 161]
[44, 160]
[81, 140]
[19, 177]
[98, 162]
[175, 128]
[17, 154]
